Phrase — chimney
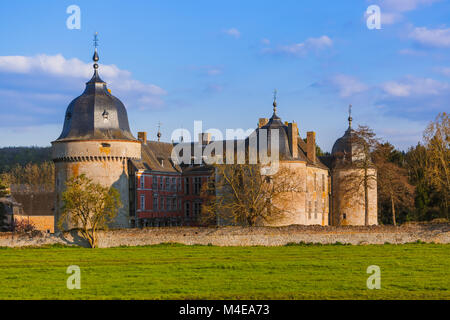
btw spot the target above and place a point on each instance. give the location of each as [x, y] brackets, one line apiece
[293, 138]
[142, 136]
[204, 138]
[262, 122]
[311, 146]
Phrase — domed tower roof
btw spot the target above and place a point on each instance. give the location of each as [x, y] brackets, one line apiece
[96, 114]
[345, 146]
[275, 123]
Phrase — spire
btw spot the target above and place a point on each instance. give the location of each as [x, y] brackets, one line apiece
[159, 131]
[95, 58]
[275, 101]
[350, 119]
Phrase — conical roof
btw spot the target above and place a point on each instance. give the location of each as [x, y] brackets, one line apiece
[345, 147]
[96, 114]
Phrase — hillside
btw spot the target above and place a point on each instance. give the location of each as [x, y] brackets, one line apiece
[10, 156]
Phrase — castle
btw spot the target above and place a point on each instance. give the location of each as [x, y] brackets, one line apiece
[96, 141]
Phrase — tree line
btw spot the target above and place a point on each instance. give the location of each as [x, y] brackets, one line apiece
[12, 156]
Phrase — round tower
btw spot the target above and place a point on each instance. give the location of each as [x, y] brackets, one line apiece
[347, 176]
[96, 141]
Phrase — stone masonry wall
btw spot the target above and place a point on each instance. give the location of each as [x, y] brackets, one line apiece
[240, 236]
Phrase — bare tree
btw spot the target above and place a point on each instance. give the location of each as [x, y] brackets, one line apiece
[90, 206]
[437, 143]
[240, 194]
[392, 182]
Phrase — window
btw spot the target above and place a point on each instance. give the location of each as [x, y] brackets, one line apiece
[169, 204]
[155, 183]
[315, 181]
[315, 209]
[179, 204]
[163, 204]
[142, 180]
[161, 183]
[186, 185]
[345, 216]
[197, 185]
[174, 204]
[179, 184]
[187, 209]
[323, 183]
[197, 209]
[167, 184]
[174, 184]
[142, 202]
[309, 209]
[155, 202]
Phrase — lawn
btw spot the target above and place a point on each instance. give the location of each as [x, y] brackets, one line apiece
[411, 271]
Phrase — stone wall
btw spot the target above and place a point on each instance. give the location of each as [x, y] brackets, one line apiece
[239, 236]
[41, 223]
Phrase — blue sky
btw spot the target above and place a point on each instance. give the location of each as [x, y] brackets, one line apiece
[219, 62]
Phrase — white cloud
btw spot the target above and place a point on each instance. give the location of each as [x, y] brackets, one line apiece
[303, 48]
[396, 89]
[431, 37]
[411, 52]
[412, 86]
[390, 18]
[58, 66]
[405, 5]
[233, 32]
[392, 10]
[347, 85]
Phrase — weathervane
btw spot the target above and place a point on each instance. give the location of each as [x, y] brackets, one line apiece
[275, 100]
[159, 131]
[95, 57]
[96, 40]
[350, 119]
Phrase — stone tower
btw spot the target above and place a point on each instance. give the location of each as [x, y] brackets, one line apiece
[348, 204]
[96, 141]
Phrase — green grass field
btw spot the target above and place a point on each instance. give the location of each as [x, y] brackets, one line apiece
[412, 271]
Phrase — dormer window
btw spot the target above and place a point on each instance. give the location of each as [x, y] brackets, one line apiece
[105, 115]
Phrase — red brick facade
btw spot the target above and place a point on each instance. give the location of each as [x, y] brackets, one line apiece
[169, 198]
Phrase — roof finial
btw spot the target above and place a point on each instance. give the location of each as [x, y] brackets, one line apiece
[275, 101]
[159, 131]
[95, 57]
[350, 119]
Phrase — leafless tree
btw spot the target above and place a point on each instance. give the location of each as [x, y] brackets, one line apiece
[393, 185]
[241, 194]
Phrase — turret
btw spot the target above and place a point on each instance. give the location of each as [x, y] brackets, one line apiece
[96, 141]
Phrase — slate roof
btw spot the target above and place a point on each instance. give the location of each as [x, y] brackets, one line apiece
[96, 114]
